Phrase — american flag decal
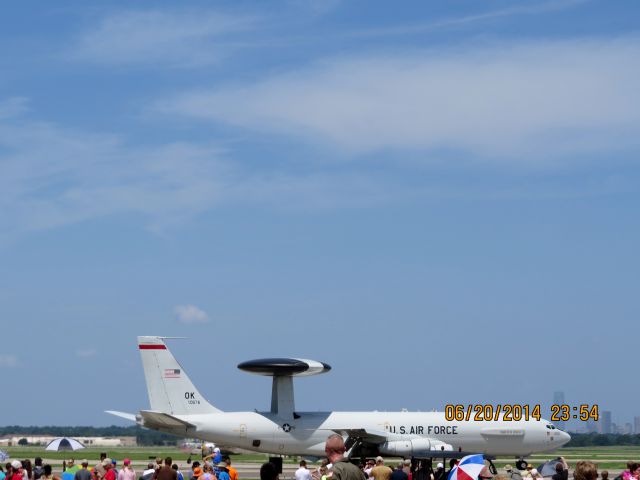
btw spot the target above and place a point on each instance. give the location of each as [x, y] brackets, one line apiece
[171, 373]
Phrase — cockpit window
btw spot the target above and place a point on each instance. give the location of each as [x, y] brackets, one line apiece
[551, 426]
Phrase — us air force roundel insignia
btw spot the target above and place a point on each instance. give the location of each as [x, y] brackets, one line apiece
[286, 427]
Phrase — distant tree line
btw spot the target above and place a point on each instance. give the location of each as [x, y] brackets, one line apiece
[143, 436]
[602, 440]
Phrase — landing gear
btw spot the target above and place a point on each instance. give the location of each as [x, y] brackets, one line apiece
[353, 449]
[521, 464]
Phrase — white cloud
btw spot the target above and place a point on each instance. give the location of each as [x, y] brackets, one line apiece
[86, 353]
[8, 361]
[13, 107]
[515, 10]
[164, 38]
[537, 102]
[190, 314]
[51, 177]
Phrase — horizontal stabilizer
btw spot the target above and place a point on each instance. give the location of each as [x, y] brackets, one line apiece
[127, 416]
[163, 420]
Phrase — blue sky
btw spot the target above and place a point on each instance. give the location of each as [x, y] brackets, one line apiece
[441, 197]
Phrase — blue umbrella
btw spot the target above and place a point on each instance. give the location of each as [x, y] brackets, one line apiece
[548, 469]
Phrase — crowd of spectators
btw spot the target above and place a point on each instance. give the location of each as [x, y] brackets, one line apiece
[334, 467]
[108, 469]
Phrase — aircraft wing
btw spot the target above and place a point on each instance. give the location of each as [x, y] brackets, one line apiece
[371, 436]
[433, 448]
[163, 420]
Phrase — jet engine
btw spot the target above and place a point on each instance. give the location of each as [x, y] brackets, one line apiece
[414, 447]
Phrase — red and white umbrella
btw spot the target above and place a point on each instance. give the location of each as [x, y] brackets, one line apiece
[469, 468]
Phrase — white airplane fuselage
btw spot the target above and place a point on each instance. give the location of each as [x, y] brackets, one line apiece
[177, 407]
[306, 435]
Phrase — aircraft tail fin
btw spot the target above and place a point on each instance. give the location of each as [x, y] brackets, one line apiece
[169, 387]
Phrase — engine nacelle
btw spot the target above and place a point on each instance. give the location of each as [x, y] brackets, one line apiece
[414, 447]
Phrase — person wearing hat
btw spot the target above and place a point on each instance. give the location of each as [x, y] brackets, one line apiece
[512, 473]
[110, 473]
[127, 473]
[17, 470]
[527, 472]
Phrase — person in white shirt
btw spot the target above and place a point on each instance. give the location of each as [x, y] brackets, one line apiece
[149, 472]
[368, 467]
[303, 473]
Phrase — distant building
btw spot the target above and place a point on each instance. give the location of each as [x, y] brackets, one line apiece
[628, 429]
[558, 399]
[13, 439]
[605, 424]
[636, 425]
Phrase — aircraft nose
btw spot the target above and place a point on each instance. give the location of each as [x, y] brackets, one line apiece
[564, 438]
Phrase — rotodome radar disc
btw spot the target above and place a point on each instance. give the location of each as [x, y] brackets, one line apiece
[287, 367]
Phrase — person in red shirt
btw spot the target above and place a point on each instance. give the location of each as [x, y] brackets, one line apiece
[17, 470]
[110, 474]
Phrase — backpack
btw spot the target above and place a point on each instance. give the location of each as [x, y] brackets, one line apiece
[38, 471]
